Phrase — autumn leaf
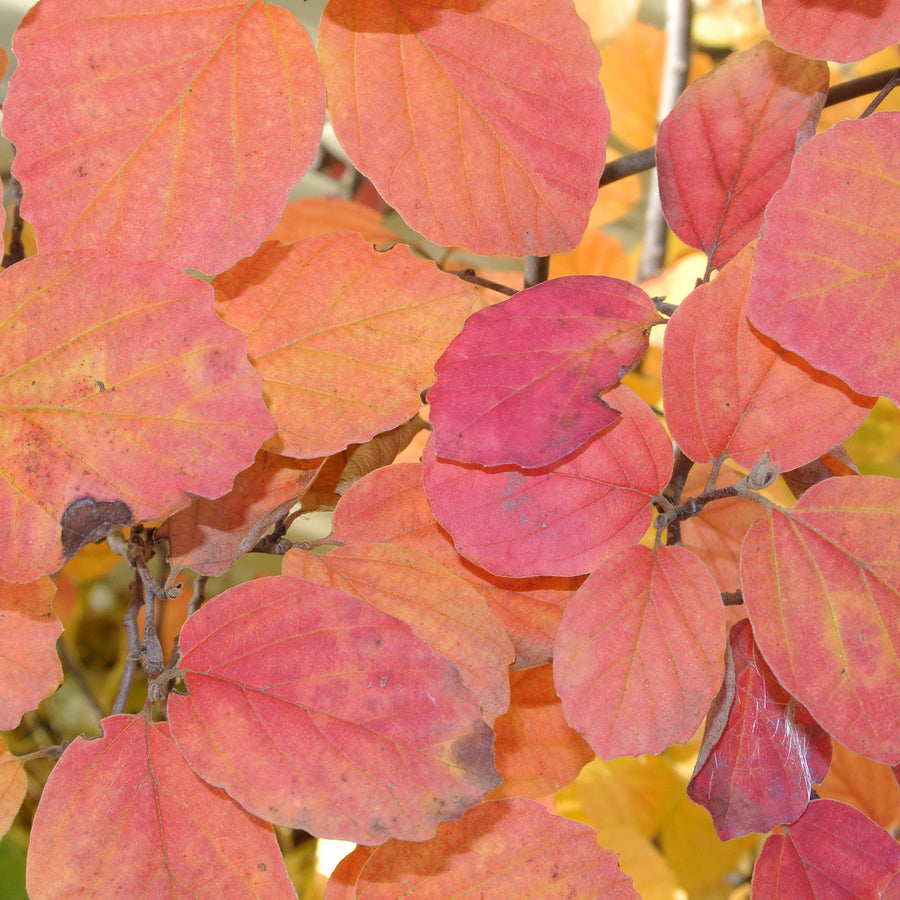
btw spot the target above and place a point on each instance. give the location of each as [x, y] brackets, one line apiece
[29, 666]
[121, 436]
[438, 605]
[638, 656]
[391, 505]
[842, 32]
[311, 216]
[716, 532]
[500, 848]
[201, 115]
[728, 390]
[144, 825]
[414, 101]
[536, 750]
[561, 519]
[210, 535]
[762, 753]
[13, 786]
[367, 732]
[869, 786]
[521, 385]
[727, 145]
[343, 336]
[831, 852]
[826, 268]
[820, 582]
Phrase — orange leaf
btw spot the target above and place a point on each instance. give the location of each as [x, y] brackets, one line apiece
[209, 535]
[727, 145]
[439, 606]
[362, 732]
[502, 848]
[13, 786]
[842, 32]
[344, 336]
[561, 519]
[830, 295]
[537, 751]
[390, 505]
[145, 826]
[199, 114]
[869, 786]
[483, 124]
[728, 390]
[716, 532]
[311, 216]
[821, 584]
[125, 416]
[638, 656]
[29, 666]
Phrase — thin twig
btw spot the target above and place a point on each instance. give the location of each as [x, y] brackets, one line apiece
[470, 276]
[879, 97]
[134, 651]
[70, 667]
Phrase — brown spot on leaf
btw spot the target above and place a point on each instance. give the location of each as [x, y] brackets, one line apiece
[87, 520]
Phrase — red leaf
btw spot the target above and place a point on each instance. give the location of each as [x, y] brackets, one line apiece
[124, 815]
[843, 32]
[638, 656]
[761, 752]
[728, 390]
[821, 583]
[344, 336]
[832, 852]
[827, 270]
[390, 505]
[727, 145]
[87, 367]
[209, 535]
[537, 751]
[29, 666]
[502, 848]
[200, 115]
[561, 519]
[437, 604]
[482, 124]
[362, 732]
[521, 384]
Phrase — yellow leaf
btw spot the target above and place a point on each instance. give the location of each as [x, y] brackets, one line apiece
[606, 18]
[597, 254]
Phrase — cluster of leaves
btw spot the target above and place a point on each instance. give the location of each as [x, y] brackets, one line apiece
[366, 694]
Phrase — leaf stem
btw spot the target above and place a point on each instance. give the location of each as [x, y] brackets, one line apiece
[470, 276]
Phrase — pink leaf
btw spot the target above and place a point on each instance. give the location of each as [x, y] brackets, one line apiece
[638, 656]
[727, 145]
[843, 31]
[832, 852]
[729, 390]
[561, 519]
[827, 271]
[483, 124]
[161, 129]
[521, 384]
[361, 731]
[147, 826]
